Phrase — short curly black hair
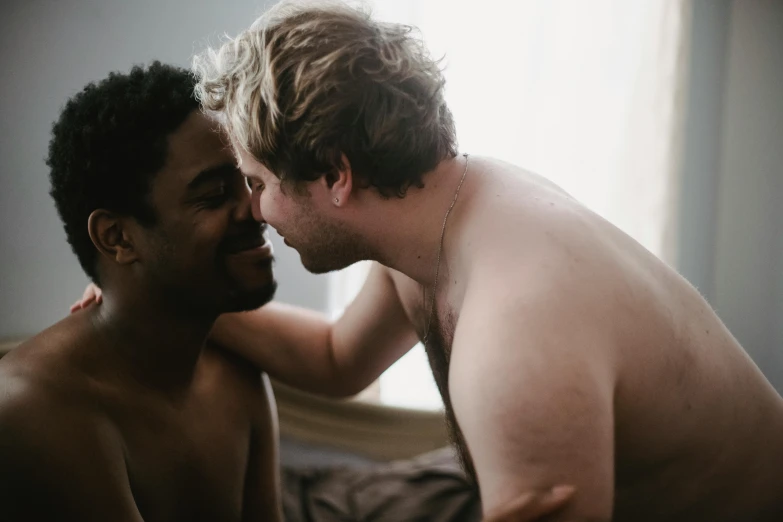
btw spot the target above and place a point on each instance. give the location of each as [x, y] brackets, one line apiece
[109, 142]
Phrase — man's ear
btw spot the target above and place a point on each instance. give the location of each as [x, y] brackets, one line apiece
[110, 236]
[339, 183]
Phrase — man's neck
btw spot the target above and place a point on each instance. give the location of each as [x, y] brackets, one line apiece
[406, 232]
[151, 343]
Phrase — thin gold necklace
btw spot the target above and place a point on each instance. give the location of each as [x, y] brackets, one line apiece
[440, 250]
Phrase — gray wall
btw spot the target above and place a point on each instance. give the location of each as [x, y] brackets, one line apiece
[697, 231]
[49, 49]
[731, 235]
[750, 222]
[731, 243]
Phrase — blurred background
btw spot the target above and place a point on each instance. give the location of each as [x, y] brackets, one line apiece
[664, 116]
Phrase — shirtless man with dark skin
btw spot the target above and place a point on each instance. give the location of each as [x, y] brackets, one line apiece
[567, 355]
[125, 412]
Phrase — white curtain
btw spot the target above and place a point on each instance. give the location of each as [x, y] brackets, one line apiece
[583, 92]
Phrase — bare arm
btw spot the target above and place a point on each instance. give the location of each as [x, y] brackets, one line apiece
[532, 384]
[532, 505]
[56, 463]
[263, 495]
[304, 349]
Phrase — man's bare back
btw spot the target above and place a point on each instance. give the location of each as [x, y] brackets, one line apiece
[698, 430]
[76, 431]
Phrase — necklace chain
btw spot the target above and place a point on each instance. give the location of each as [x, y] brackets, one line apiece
[440, 250]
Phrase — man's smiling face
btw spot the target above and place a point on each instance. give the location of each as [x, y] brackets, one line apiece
[205, 245]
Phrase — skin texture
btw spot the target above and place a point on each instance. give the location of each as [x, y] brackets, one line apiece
[125, 412]
[566, 353]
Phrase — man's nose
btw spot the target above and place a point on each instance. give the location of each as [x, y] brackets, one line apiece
[243, 209]
[255, 205]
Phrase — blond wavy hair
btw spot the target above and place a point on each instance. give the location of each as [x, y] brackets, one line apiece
[311, 81]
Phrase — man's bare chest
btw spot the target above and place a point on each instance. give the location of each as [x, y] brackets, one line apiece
[437, 325]
[430, 317]
[187, 465]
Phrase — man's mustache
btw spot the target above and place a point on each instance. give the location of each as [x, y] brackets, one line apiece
[249, 237]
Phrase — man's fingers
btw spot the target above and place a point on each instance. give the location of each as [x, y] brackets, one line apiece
[532, 505]
[81, 305]
[89, 292]
[92, 294]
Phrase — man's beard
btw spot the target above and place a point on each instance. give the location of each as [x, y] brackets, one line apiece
[333, 250]
[248, 300]
[220, 292]
[326, 246]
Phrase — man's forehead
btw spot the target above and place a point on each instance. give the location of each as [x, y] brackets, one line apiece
[212, 174]
[197, 145]
[248, 165]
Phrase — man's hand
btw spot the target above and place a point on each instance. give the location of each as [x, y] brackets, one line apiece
[92, 294]
[532, 506]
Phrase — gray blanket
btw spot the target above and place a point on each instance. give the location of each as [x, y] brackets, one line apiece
[430, 488]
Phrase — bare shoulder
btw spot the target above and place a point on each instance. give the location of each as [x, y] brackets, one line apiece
[59, 459]
[229, 378]
[43, 425]
[225, 366]
[54, 354]
[549, 267]
[25, 410]
[529, 239]
[42, 385]
[540, 266]
[47, 404]
[40, 413]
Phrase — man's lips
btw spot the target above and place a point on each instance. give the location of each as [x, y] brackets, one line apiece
[251, 244]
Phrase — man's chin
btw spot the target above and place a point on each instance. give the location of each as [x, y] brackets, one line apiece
[322, 265]
[247, 300]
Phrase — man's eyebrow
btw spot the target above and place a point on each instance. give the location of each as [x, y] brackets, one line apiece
[207, 175]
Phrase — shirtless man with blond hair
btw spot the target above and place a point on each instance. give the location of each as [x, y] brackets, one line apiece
[567, 355]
